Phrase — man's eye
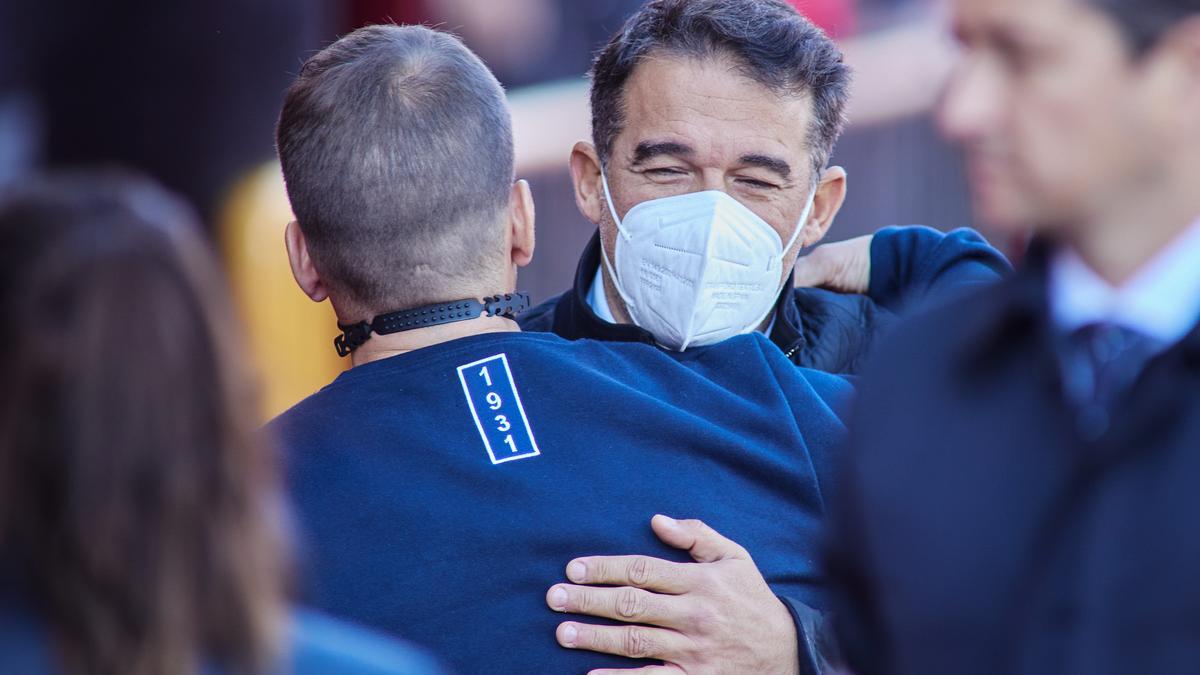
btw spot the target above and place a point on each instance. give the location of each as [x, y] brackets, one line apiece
[666, 171]
[1015, 57]
[754, 183]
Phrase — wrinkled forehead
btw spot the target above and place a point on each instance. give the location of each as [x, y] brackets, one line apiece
[711, 104]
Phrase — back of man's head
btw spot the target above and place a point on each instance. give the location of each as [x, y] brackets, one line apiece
[396, 147]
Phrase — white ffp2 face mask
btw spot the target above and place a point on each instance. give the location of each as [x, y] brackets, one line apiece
[697, 268]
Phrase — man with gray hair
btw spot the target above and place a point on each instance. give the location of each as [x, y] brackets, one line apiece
[713, 122]
[441, 481]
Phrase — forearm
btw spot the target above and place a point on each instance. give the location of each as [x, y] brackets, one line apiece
[909, 264]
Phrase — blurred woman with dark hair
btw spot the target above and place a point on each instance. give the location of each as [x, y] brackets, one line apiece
[141, 519]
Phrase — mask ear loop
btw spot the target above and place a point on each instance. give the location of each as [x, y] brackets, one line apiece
[620, 233]
[783, 254]
[812, 199]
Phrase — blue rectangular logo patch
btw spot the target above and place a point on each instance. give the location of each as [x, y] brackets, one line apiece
[499, 416]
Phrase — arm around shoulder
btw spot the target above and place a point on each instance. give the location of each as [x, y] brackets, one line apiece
[913, 263]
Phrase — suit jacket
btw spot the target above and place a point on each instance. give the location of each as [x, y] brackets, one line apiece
[984, 526]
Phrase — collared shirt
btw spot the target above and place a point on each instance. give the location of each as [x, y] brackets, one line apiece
[598, 301]
[1077, 550]
[1162, 301]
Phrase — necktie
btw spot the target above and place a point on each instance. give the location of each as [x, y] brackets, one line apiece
[1101, 362]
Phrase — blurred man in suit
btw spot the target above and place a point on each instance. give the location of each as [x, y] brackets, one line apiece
[1020, 492]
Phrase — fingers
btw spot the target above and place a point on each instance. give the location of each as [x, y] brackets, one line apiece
[701, 541]
[627, 604]
[844, 266]
[635, 642]
[639, 571]
[812, 270]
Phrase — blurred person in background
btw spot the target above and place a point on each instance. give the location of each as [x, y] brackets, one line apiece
[529, 42]
[444, 478]
[1021, 491]
[141, 521]
[185, 91]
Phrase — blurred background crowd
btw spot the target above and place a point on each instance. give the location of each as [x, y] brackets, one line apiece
[189, 91]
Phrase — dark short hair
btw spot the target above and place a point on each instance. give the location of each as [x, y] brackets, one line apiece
[396, 147]
[136, 503]
[771, 42]
[1145, 22]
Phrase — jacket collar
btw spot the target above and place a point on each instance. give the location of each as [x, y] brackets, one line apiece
[1022, 308]
[574, 318]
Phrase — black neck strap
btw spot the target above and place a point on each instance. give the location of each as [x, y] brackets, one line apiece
[354, 335]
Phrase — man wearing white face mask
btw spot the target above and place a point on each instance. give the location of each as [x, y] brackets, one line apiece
[700, 267]
[712, 124]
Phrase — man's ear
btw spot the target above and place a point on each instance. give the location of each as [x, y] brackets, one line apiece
[521, 223]
[831, 193]
[585, 175]
[303, 272]
[1183, 42]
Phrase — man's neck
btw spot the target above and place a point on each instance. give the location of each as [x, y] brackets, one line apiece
[385, 346]
[1130, 232]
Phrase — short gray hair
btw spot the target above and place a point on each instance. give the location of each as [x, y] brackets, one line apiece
[396, 147]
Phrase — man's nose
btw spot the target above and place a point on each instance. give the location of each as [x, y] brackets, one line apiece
[970, 104]
[712, 179]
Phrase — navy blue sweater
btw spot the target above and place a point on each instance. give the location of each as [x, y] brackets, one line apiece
[437, 506]
[816, 328]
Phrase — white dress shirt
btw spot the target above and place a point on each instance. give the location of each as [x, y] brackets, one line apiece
[597, 299]
[1161, 301]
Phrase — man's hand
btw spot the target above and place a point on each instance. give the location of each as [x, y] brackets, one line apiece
[714, 616]
[844, 267]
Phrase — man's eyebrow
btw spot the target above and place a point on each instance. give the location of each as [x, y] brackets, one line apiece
[769, 163]
[650, 149]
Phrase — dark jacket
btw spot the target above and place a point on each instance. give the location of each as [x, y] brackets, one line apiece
[977, 531]
[815, 328]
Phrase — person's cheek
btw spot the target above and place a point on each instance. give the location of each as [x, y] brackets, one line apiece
[1064, 124]
[784, 210]
[1035, 139]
